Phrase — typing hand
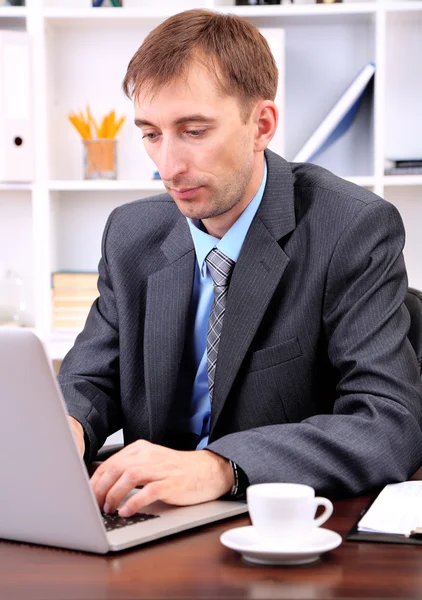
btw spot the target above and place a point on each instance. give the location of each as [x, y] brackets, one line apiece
[78, 434]
[173, 476]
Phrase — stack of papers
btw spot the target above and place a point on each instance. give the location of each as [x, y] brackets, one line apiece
[397, 509]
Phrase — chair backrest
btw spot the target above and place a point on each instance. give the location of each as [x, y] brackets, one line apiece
[414, 306]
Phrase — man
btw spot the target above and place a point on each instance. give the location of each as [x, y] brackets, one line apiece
[309, 376]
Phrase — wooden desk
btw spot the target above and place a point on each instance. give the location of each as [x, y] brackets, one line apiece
[195, 565]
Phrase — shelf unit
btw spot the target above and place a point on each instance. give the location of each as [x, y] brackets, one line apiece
[79, 56]
[8, 13]
[101, 185]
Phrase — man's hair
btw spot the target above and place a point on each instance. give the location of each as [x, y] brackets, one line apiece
[232, 49]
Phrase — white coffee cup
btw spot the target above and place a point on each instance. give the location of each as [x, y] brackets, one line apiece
[284, 513]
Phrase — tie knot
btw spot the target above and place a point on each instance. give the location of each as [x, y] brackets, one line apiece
[220, 267]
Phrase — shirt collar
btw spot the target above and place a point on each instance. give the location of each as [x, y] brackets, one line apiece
[231, 243]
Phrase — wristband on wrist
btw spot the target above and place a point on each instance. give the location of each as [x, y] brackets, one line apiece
[240, 482]
[235, 487]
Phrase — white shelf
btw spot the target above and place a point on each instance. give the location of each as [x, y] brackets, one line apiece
[363, 181]
[297, 10]
[13, 12]
[59, 343]
[88, 16]
[415, 5]
[101, 185]
[402, 180]
[104, 15]
[80, 16]
[15, 187]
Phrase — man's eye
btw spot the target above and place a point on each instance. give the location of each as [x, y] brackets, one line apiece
[149, 136]
[195, 132]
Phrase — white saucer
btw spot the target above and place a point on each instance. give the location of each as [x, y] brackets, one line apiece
[253, 548]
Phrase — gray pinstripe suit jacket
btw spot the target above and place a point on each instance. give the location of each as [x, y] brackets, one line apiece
[316, 381]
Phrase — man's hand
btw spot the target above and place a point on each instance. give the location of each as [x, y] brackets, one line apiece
[78, 434]
[172, 476]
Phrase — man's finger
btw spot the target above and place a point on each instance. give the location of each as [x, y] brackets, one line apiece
[150, 493]
[129, 479]
[98, 473]
[126, 453]
[104, 482]
[111, 464]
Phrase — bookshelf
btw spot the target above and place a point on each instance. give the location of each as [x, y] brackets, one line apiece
[9, 14]
[79, 56]
[62, 185]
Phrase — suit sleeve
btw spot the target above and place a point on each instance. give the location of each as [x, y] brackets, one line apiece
[374, 435]
[89, 374]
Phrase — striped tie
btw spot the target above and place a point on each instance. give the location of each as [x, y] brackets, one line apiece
[220, 267]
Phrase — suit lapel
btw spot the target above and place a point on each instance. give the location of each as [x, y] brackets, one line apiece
[257, 274]
[169, 295]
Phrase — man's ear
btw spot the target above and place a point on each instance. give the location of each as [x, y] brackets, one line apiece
[266, 119]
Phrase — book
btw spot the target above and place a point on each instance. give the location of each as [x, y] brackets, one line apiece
[407, 163]
[74, 295]
[76, 324]
[394, 516]
[340, 117]
[403, 166]
[69, 305]
[71, 313]
[403, 171]
[77, 280]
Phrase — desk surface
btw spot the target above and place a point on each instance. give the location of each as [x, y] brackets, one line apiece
[196, 565]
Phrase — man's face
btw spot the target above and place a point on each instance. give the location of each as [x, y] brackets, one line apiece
[203, 149]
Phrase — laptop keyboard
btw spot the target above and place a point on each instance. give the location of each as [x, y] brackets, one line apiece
[113, 521]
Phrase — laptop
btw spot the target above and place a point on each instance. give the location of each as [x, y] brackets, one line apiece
[46, 497]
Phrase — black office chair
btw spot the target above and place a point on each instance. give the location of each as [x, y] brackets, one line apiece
[414, 306]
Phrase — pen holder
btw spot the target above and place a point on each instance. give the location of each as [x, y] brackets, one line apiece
[100, 159]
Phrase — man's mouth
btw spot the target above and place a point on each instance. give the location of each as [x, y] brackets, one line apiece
[184, 193]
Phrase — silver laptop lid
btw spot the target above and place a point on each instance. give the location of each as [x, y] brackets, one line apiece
[46, 496]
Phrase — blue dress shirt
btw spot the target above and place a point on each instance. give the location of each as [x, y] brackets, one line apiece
[195, 417]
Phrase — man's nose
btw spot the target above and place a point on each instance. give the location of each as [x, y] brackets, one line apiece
[172, 161]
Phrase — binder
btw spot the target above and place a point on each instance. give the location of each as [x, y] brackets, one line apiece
[339, 119]
[16, 136]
